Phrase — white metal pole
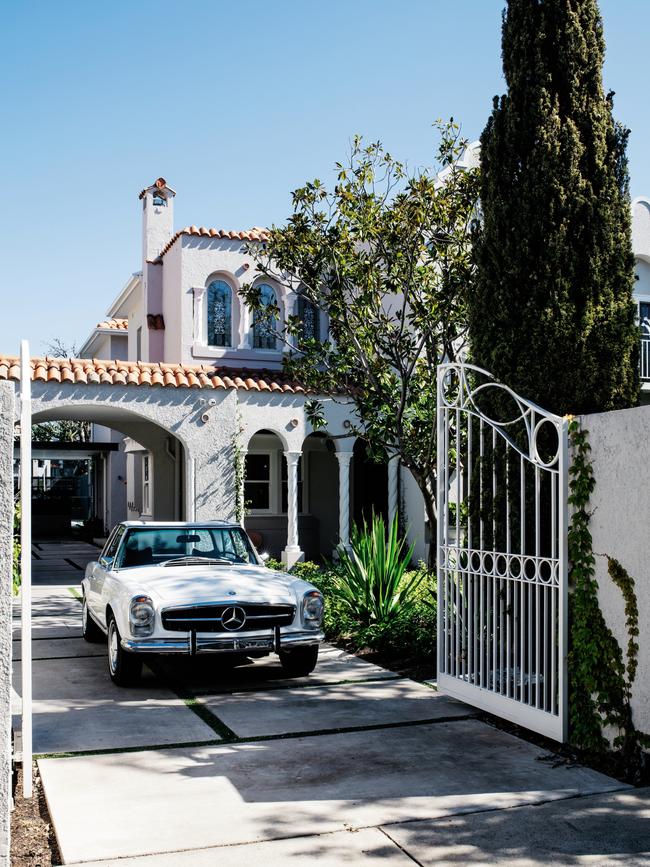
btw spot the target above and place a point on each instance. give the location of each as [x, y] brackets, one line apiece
[26, 560]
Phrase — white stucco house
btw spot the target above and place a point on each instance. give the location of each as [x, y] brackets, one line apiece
[641, 248]
[181, 310]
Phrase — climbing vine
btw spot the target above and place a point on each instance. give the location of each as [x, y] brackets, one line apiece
[239, 466]
[600, 680]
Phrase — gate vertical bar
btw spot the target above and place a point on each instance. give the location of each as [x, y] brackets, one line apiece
[441, 463]
[26, 561]
[563, 577]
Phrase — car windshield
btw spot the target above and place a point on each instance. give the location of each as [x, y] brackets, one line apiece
[147, 546]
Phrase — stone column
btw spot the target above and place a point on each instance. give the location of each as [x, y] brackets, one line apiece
[292, 553]
[393, 488]
[344, 459]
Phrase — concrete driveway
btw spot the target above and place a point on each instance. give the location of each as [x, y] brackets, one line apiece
[203, 764]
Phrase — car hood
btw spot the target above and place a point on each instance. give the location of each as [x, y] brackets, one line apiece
[191, 584]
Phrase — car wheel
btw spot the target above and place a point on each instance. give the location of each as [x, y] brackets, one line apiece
[299, 662]
[124, 668]
[89, 629]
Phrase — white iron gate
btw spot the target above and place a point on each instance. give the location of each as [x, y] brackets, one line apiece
[502, 551]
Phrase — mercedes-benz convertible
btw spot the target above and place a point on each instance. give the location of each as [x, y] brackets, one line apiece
[195, 588]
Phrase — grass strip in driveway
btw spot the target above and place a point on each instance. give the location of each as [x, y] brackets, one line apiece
[226, 734]
[226, 740]
[74, 592]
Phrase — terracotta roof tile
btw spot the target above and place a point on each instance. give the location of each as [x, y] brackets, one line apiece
[255, 234]
[114, 325]
[139, 373]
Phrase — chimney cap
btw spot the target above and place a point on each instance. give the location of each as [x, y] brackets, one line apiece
[158, 186]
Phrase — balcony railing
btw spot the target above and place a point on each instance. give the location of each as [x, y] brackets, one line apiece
[645, 358]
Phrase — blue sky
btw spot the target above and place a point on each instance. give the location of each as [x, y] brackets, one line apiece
[235, 104]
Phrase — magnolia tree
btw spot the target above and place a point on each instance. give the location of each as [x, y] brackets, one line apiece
[384, 255]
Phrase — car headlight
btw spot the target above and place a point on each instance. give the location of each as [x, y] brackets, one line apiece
[312, 609]
[141, 615]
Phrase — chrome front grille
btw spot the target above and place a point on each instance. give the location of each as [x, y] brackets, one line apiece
[239, 617]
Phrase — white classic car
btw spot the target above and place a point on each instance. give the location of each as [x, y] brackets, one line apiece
[182, 588]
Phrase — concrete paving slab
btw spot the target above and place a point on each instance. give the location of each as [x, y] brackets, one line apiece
[278, 712]
[211, 676]
[59, 648]
[602, 829]
[63, 626]
[368, 847]
[56, 605]
[76, 707]
[195, 797]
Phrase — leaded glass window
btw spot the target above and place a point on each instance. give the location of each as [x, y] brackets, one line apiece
[309, 317]
[219, 314]
[264, 327]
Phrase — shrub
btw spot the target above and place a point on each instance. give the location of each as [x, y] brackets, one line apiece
[16, 550]
[371, 581]
[408, 634]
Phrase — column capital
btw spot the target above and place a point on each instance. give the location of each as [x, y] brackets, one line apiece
[292, 457]
[344, 457]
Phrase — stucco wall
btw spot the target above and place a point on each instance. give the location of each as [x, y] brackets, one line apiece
[641, 227]
[6, 530]
[620, 507]
[168, 411]
[414, 514]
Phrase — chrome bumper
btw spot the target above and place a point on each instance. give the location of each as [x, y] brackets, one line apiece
[190, 645]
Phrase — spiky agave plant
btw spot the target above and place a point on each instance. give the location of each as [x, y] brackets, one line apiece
[371, 581]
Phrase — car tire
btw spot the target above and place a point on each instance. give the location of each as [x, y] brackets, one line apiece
[124, 668]
[299, 662]
[89, 629]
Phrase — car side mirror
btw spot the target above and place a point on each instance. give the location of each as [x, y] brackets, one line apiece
[106, 562]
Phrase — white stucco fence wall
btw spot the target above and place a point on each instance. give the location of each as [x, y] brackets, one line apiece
[6, 532]
[620, 527]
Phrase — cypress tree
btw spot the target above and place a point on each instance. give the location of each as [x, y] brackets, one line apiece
[551, 313]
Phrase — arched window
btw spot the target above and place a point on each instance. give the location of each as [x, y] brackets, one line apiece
[309, 316]
[264, 326]
[219, 314]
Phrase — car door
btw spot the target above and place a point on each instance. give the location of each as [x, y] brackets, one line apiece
[98, 576]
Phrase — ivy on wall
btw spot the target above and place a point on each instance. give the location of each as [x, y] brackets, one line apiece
[600, 679]
[239, 467]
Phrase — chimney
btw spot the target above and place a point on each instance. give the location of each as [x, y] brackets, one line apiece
[157, 218]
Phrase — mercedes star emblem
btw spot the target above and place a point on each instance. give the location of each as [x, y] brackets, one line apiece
[233, 618]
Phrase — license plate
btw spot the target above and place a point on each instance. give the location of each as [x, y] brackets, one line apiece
[251, 643]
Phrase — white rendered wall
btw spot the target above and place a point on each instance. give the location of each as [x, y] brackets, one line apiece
[137, 319]
[414, 517]
[641, 228]
[187, 268]
[151, 415]
[642, 284]
[620, 511]
[175, 305]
